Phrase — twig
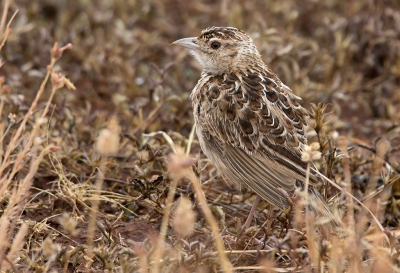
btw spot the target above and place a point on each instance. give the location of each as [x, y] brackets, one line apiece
[355, 199]
[8, 30]
[95, 206]
[4, 16]
[191, 137]
[164, 224]
[347, 178]
[226, 265]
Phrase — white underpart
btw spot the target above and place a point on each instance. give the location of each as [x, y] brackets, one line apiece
[211, 65]
[198, 57]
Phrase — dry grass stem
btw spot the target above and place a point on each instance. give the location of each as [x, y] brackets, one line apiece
[87, 179]
[226, 265]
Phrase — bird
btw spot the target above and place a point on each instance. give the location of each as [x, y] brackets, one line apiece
[250, 125]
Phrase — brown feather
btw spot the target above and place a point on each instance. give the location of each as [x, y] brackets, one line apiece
[249, 124]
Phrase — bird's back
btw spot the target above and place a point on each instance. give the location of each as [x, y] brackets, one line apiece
[251, 127]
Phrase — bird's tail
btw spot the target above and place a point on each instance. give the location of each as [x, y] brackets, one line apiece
[323, 213]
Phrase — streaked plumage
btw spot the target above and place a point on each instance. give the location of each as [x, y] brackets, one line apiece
[249, 124]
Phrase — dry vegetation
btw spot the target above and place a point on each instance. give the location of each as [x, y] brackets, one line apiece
[101, 177]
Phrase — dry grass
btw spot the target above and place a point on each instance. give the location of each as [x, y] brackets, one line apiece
[91, 177]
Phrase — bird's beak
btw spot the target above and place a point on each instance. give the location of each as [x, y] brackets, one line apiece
[188, 43]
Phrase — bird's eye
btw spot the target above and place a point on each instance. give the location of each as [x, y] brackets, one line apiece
[215, 45]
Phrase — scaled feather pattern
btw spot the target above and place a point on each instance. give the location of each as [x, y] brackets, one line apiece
[249, 124]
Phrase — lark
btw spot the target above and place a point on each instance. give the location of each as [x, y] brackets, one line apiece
[249, 124]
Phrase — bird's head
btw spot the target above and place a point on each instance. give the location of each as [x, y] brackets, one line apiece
[222, 49]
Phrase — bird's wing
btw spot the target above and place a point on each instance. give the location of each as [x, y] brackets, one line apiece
[252, 128]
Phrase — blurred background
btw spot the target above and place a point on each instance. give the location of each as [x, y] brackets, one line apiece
[342, 53]
[338, 52]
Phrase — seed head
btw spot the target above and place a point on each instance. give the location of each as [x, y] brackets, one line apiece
[184, 218]
[108, 140]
